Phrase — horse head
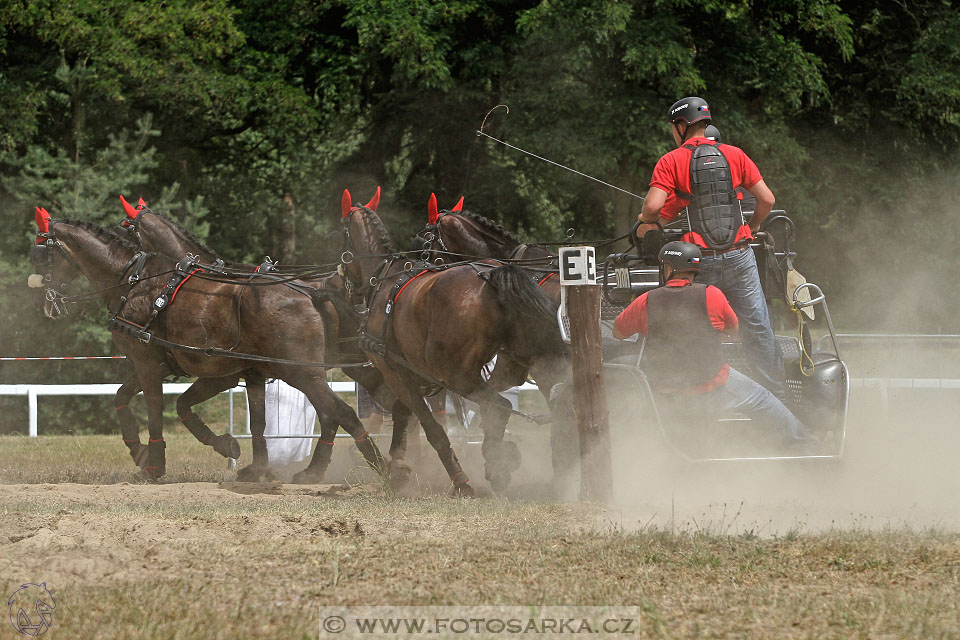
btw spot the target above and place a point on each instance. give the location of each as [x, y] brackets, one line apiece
[54, 269]
[366, 244]
[429, 240]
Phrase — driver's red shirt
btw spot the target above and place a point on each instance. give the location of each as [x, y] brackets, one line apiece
[634, 319]
[672, 173]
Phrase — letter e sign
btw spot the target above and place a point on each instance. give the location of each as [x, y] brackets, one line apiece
[578, 266]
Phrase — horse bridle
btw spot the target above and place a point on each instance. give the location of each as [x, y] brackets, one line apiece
[347, 256]
[42, 257]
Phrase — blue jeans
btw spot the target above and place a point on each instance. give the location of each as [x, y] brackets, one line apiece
[745, 396]
[735, 274]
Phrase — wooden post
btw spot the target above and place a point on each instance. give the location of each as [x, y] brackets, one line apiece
[582, 299]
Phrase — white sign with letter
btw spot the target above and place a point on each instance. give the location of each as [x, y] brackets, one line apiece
[578, 266]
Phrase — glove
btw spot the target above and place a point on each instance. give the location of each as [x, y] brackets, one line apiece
[652, 243]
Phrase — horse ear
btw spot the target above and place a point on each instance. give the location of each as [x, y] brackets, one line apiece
[42, 218]
[375, 200]
[459, 206]
[346, 203]
[432, 213]
[131, 212]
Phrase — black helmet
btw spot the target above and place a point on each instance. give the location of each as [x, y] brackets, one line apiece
[682, 256]
[689, 110]
[712, 133]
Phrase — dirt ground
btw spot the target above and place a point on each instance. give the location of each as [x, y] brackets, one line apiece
[864, 547]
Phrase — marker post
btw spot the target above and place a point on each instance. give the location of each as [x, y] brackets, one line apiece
[581, 296]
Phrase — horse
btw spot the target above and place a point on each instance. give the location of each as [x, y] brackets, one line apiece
[155, 232]
[280, 330]
[454, 234]
[429, 327]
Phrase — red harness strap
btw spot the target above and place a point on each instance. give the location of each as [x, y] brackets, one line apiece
[174, 294]
[408, 282]
[548, 276]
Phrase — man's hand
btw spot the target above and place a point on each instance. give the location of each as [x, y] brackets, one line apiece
[765, 238]
[643, 227]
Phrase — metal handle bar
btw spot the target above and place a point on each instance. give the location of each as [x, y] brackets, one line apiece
[820, 297]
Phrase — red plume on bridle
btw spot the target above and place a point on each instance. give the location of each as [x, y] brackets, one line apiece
[346, 202]
[375, 200]
[132, 212]
[42, 218]
[433, 213]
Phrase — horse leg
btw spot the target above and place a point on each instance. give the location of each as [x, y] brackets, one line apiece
[259, 469]
[399, 468]
[436, 434]
[372, 380]
[321, 455]
[155, 465]
[329, 404]
[201, 390]
[501, 458]
[128, 424]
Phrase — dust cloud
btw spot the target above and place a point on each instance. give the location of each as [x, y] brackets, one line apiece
[890, 272]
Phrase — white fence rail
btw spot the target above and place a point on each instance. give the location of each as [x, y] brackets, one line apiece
[34, 391]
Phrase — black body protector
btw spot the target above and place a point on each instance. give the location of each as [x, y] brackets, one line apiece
[713, 211]
[683, 348]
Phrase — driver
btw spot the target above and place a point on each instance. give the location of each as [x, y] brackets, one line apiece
[703, 175]
[683, 323]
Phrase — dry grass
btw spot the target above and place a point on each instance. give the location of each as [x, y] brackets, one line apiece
[202, 560]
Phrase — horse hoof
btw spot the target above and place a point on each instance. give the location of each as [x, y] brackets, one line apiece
[154, 466]
[255, 473]
[227, 446]
[399, 474]
[308, 476]
[462, 491]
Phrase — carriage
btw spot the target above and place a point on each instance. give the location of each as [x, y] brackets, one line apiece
[818, 381]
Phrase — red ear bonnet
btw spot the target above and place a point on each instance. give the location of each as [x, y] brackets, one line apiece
[346, 203]
[42, 218]
[131, 212]
[141, 204]
[457, 208]
[432, 213]
[375, 200]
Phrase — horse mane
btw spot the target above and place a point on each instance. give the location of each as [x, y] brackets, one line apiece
[490, 225]
[107, 234]
[190, 235]
[382, 235]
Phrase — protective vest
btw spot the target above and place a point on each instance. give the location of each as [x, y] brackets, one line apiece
[713, 211]
[683, 347]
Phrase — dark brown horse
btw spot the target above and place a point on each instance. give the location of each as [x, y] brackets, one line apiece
[431, 328]
[275, 326]
[157, 233]
[454, 235]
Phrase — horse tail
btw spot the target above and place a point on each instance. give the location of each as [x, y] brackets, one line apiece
[531, 313]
